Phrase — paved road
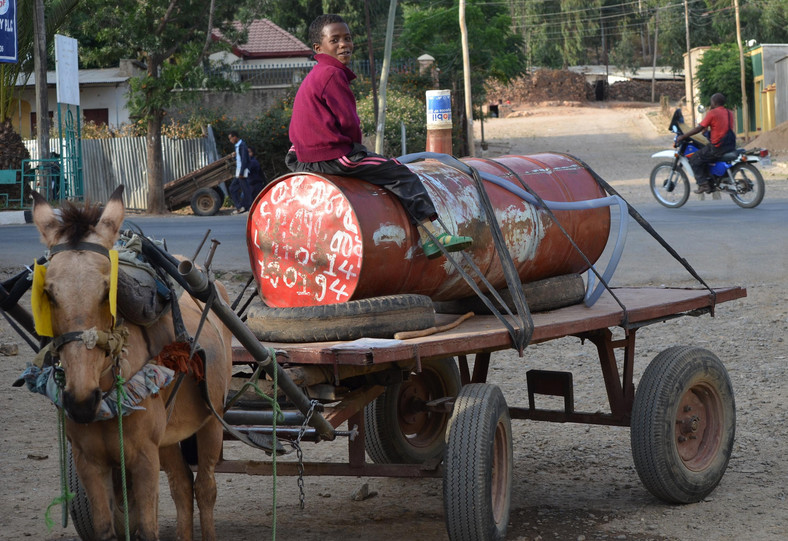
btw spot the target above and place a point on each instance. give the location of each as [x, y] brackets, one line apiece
[20, 244]
[718, 238]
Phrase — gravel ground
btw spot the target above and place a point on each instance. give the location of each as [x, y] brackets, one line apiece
[571, 482]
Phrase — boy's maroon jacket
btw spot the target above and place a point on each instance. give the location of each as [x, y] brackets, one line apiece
[325, 123]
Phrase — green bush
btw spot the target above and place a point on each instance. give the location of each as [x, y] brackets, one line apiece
[401, 108]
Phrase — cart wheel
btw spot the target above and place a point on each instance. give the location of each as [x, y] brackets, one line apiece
[683, 424]
[398, 430]
[477, 477]
[79, 506]
[206, 202]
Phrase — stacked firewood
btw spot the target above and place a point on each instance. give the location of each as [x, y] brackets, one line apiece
[542, 85]
[640, 90]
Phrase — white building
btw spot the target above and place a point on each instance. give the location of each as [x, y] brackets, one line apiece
[102, 97]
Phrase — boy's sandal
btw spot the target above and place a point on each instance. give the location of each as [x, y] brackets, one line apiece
[452, 243]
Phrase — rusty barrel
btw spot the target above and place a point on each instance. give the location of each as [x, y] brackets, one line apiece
[323, 239]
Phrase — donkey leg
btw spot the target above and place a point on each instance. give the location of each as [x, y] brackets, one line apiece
[181, 482]
[95, 474]
[145, 490]
[209, 449]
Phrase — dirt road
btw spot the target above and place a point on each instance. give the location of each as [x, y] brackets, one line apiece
[571, 482]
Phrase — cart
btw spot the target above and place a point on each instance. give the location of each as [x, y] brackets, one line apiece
[201, 188]
[415, 412]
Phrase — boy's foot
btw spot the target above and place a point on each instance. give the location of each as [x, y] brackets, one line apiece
[452, 243]
[238, 211]
[704, 188]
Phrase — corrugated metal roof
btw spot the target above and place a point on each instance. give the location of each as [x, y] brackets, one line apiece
[86, 77]
[267, 40]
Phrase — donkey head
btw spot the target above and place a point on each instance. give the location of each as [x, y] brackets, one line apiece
[77, 285]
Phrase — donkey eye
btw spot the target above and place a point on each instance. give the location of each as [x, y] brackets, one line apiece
[50, 296]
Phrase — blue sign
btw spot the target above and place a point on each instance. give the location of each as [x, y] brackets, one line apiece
[8, 43]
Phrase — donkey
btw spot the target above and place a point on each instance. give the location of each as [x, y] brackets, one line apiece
[77, 284]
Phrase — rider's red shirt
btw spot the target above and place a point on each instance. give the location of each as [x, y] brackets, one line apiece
[720, 120]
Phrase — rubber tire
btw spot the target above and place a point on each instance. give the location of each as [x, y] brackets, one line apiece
[79, 506]
[477, 475]
[541, 295]
[376, 317]
[682, 184]
[758, 186]
[397, 430]
[682, 375]
[206, 202]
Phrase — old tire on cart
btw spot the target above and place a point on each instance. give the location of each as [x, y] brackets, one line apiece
[683, 424]
[206, 202]
[477, 476]
[398, 429]
[670, 188]
[79, 506]
[376, 317]
[542, 295]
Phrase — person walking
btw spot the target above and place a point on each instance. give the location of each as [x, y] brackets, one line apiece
[255, 179]
[239, 188]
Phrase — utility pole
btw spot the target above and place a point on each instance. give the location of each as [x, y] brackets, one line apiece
[371, 61]
[40, 68]
[384, 78]
[744, 106]
[466, 68]
[654, 60]
[689, 65]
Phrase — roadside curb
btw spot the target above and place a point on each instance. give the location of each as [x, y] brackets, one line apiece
[16, 217]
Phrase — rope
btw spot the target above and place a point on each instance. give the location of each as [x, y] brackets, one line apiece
[119, 381]
[65, 495]
[276, 410]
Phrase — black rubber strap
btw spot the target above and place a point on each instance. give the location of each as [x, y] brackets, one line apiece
[65, 338]
[554, 218]
[80, 247]
[651, 231]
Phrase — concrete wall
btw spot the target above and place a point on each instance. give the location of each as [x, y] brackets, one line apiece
[781, 97]
[246, 106]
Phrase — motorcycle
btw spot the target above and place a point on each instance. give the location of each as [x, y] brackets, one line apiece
[735, 174]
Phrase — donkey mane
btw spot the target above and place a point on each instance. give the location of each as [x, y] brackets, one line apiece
[78, 221]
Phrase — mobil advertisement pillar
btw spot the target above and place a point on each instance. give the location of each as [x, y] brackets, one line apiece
[439, 121]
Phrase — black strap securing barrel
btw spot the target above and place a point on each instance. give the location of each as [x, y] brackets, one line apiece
[650, 230]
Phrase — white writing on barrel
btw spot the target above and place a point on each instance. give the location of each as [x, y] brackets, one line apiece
[310, 249]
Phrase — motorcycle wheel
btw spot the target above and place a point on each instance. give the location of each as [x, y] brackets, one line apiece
[750, 187]
[670, 188]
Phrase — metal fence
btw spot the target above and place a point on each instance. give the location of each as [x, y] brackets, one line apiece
[107, 163]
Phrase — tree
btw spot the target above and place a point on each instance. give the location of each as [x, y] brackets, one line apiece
[12, 150]
[719, 71]
[173, 39]
[496, 50]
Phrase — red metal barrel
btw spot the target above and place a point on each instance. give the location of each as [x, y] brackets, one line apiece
[323, 239]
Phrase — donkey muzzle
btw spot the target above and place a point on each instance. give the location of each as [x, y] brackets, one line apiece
[85, 410]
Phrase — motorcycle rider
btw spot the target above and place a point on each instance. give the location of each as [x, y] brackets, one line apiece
[719, 121]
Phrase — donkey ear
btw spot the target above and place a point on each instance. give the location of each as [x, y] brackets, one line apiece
[112, 218]
[45, 219]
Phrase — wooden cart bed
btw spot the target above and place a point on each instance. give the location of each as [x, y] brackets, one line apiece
[645, 305]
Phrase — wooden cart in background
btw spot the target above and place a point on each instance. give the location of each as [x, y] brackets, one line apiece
[201, 188]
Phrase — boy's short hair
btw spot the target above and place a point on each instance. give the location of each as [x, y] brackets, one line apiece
[316, 28]
[232, 133]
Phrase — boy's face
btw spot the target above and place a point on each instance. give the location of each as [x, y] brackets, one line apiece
[336, 41]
